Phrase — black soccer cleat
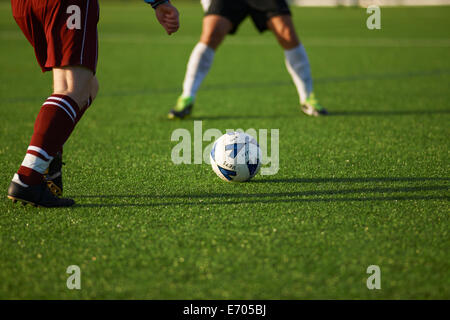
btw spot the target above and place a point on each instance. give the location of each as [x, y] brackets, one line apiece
[38, 196]
[53, 175]
[183, 108]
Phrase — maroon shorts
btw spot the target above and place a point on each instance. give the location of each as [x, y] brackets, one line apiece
[62, 32]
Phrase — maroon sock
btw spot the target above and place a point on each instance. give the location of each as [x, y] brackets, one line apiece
[54, 124]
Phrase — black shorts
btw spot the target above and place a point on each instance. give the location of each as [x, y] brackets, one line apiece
[237, 10]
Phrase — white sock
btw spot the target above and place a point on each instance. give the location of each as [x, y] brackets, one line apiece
[297, 64]
[198, 66]
[17, 180]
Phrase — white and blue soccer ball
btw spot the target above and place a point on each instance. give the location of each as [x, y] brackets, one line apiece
[236, 157]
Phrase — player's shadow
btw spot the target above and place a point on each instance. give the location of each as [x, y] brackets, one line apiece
[349, 180]
[383, 113]
[331, 79]
[344, 113]
[377, 193]
[240, 117]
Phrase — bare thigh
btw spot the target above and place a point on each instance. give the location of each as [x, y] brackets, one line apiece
[215, 28]
[283, 29]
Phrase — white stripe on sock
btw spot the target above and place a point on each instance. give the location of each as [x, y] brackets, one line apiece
[84, 31]
[17, 180]
[35, 163]
[65, 102]
[57, 104]
[41, 151]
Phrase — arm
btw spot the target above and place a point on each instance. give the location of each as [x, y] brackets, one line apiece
[166, 14]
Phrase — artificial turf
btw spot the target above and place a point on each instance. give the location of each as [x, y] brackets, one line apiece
[367, 185]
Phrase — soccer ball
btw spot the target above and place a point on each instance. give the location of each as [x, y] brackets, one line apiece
[236, 157]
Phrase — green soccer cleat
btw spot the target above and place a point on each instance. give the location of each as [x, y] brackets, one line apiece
[183, 108]
[312, 107]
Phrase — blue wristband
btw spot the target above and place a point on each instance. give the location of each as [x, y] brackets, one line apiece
[155, 3]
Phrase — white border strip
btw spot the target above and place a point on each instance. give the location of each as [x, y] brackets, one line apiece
[41, 151]
[57, 104]
[35, 163]
[84, 31]
[65, 102]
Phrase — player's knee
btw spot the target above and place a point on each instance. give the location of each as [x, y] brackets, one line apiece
[81, 93]
[214, 38]
[288, 38]
[215, 28]
[283, 28]
[75, 82]
[80, 97]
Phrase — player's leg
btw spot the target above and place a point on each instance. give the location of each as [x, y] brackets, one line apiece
[215, 28]
[80, 61]
[71, 52]
[73, 86]
[297, 62]
[81, 85]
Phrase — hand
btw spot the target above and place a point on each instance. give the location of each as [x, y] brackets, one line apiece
[167, 16]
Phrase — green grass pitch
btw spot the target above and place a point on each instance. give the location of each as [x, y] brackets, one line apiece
[368, 185]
